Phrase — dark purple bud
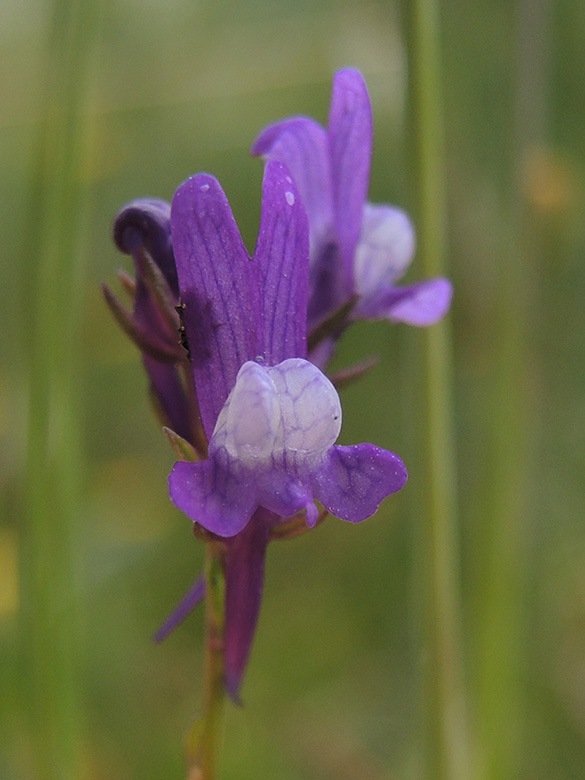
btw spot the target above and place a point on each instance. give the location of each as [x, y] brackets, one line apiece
[146, 222]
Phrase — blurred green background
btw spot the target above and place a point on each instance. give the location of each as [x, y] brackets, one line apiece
[332, 689]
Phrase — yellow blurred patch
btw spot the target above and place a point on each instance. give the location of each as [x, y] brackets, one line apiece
[131, 493]
[106, 149]
[546, 180]
[8, 572]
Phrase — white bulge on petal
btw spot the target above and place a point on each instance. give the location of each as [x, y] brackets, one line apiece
[249, 424]
[291, 406]
[384, 249]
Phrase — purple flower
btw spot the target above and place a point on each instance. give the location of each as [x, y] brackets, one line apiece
[271, 417]
[273, 446]
[357, 249]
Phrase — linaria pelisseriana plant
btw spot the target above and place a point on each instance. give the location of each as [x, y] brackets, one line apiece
[236, 349]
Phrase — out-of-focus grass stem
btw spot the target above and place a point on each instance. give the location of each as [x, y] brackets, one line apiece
[51, 306]
[445, 728]
[501, 588]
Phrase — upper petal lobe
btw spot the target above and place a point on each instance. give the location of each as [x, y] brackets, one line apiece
[302, 145]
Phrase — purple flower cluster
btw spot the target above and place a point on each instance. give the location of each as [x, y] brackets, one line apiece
[235, 346]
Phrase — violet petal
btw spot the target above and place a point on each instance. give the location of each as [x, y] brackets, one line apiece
[423, 303]
[218, 286]
[350, 139]
[302, 145]
[352, 481]
[213, 493]
[282, 257]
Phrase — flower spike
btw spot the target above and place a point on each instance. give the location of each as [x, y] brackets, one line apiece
[224, 341]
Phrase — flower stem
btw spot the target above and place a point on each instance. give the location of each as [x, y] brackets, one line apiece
[446, 751]
[206, 760]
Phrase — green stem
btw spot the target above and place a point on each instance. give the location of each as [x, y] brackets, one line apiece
[52, 289]
[205, 764]
[445, 727]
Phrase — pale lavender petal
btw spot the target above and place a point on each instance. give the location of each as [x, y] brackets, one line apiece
[186, 605]
[384, 250]
[244, 569]
[423, 303]
[219, 288]
[310, 409]
[301, 144]
[213, 493]
[350, 140]
[282, 257]
[352, 481]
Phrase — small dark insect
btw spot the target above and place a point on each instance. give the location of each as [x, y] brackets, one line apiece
[180, 308]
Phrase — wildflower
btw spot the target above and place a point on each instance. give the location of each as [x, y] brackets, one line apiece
[271, 417]
[358, 250]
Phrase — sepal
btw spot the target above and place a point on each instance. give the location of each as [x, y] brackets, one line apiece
[332, 325]
[145, 341]
[296, 525]
[128, 283]
[349, 374]
[180, 446]
[156, 284]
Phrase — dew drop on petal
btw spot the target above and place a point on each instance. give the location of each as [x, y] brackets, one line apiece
[290, 198]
